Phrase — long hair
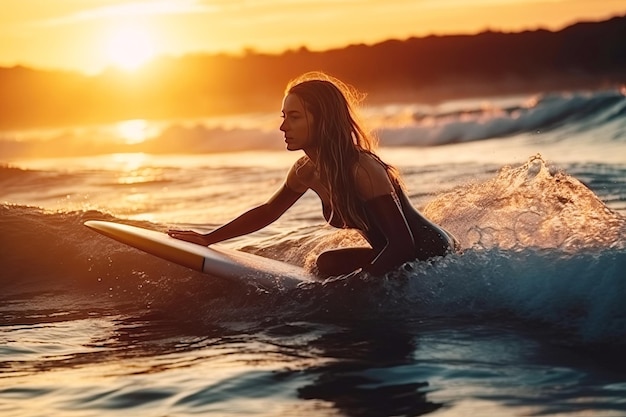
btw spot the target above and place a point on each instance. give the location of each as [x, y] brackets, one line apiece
[340, 138]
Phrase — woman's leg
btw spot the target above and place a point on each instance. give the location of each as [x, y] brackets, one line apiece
[343, 261]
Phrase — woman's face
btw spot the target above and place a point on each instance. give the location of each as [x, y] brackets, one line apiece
[297, 124]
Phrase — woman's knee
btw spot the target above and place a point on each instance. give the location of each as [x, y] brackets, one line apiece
[326, 263]
[343, 261]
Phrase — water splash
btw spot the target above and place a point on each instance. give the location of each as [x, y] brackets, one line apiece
[532, 205]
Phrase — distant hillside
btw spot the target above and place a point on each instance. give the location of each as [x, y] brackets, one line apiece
[585, 55]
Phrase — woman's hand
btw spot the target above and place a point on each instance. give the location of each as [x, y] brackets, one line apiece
[189, 236]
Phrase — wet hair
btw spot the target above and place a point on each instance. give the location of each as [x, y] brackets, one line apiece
[340, 138]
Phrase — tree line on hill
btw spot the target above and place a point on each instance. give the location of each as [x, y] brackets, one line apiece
[427, 69]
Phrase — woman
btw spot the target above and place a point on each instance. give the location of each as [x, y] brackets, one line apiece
[357, 189]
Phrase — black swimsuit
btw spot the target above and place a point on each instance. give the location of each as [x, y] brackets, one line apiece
[429, 239]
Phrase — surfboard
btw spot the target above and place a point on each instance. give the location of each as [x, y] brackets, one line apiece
[216, 260]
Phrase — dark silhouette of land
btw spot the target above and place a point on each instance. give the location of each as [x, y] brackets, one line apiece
[587, 55]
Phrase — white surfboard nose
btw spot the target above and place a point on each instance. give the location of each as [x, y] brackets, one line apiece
[215, 260]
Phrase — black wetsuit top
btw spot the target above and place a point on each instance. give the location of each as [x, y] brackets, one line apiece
[429, 239]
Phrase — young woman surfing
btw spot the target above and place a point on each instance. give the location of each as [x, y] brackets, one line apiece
[357, 189]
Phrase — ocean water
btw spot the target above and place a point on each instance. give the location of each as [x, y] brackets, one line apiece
[529, 320]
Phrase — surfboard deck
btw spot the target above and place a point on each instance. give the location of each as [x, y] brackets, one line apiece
[215, 260]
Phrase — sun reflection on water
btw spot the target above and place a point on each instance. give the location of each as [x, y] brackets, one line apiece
[129, 161]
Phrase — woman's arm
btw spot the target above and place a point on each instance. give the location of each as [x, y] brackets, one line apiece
[253, 219]
[391, 222]
[248, 222]
[377, 191]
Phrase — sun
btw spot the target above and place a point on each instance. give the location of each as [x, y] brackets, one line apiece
[133, 131]
[129, 47]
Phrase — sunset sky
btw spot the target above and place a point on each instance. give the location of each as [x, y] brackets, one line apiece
[91, 35]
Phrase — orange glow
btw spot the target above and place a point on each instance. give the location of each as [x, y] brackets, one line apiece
[91, 36]
[129, 47]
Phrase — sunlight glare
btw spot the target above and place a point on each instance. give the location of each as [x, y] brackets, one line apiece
[133, 131]
[129, 47]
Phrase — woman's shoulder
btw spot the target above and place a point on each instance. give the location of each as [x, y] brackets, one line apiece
[302, 161]
[371, 177]
[300, 174]
[303, 167]
[370, 164]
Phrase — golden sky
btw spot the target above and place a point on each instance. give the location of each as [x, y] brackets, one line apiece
[90, 35]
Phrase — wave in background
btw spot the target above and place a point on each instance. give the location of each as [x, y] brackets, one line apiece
[566, 115]
[573, 113]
